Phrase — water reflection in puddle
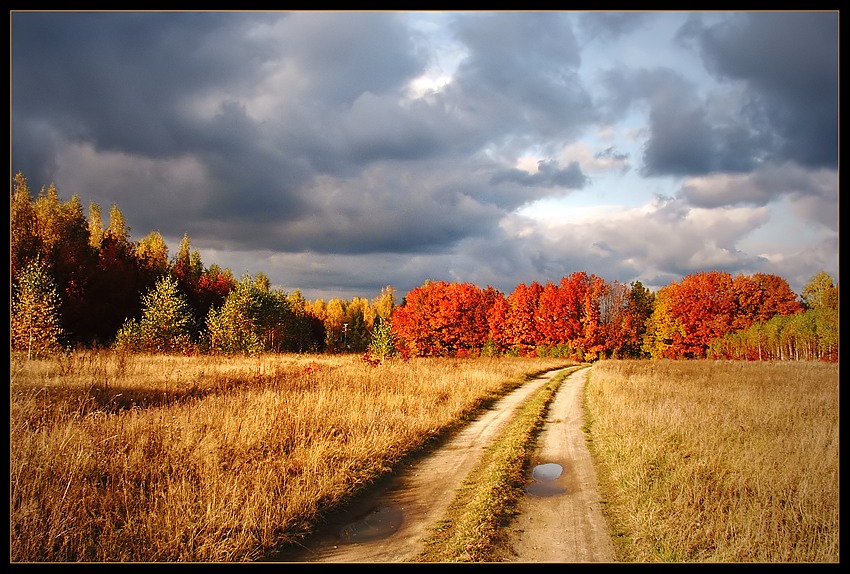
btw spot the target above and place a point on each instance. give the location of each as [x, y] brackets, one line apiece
[379, 523]
[545, 477]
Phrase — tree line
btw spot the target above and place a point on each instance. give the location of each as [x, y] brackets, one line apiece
[78, 283]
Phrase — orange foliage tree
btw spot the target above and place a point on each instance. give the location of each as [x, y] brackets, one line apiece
[690, 314]
[440, 318]
[557, 320]
[520, 328]
[761, 296]
[706, 307]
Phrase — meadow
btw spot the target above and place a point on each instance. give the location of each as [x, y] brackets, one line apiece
[155, 458]
[718, 461]
[123, 457]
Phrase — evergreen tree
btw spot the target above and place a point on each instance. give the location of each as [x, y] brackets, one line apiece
[34, 321]
[303, 331]
[115, 292]
[71, 261]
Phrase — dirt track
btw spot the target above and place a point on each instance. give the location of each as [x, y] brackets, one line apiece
[561, 519]
[562, 522]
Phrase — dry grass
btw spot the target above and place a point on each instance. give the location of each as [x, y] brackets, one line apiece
[706, 461]
[118, 457]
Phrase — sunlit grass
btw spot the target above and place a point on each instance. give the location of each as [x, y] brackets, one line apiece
[705, 461]
[119, 457]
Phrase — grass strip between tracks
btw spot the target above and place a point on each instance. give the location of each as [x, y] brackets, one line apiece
[470, 530]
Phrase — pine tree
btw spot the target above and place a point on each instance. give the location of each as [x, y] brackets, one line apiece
[34, 321]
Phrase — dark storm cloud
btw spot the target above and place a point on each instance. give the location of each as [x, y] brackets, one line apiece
[292, 143]
[785, 63]
[133, 84]
[344, 55]
[119, 79]
[549, 174]
[687, 134]
[521, 74]
[165, 86]
[769, 183]
[789, 62]
[387, 210]
[606, 26]
[379, 128]
[340, 108]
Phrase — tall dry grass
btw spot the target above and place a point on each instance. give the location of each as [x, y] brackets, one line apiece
[715, 461]
[120, 457]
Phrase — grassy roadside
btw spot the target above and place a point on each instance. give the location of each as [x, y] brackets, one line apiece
[717, 461]
[470, 529]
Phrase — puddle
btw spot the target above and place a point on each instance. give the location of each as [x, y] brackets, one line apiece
[379, 523]
[548, 471]
[545, 478]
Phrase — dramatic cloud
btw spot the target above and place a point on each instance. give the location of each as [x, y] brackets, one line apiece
[342, 152]
[788, 62]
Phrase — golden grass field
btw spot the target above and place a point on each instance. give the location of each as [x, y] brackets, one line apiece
[720, 461]
[121, 457]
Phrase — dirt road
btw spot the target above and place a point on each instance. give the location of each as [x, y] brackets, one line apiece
[561, 522]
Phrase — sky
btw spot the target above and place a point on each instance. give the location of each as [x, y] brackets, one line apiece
[341, 152]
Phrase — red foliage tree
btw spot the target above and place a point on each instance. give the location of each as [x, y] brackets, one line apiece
[555, 318]
[440, 319]
[213, 287]
[573, 290]
[520, 327]
[705, 304]
[496, 318]
[115, 292]
[593, 341]
[760, 297]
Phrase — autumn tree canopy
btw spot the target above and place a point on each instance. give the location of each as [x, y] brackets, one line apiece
[702, 307]
[85, 283]
[440, 318]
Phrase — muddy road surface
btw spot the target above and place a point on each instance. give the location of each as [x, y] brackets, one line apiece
[560, 518]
